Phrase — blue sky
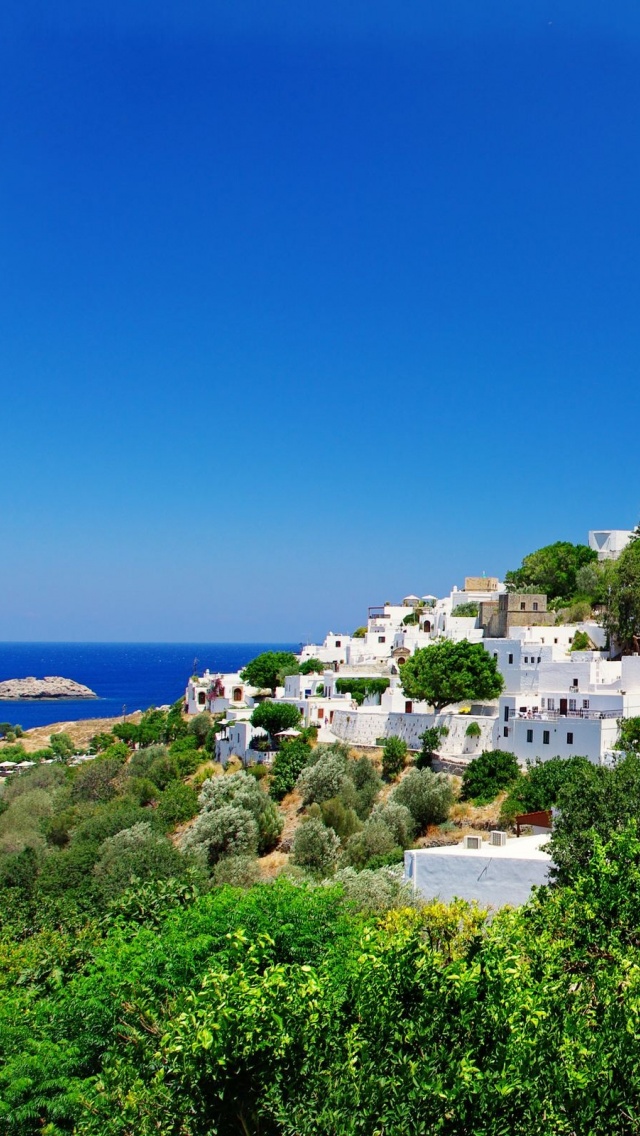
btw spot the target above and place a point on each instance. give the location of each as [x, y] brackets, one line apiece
[304, 308]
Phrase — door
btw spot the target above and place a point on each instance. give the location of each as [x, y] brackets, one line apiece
[563, 706]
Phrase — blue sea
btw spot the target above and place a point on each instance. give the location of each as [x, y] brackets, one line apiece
[135, 675]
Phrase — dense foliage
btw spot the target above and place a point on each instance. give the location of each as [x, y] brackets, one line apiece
[552, 570]
[268, 670]
[276, 716]
[394, 756]
[361, 688]
[622, 617]
[489, 773]
[451, 672]
[282, 1011]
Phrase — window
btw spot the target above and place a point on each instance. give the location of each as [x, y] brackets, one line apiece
[575, 683]
[551, 703]
[545, 737]
[495, 655]
[529, 735]
[542, 703]
[535, 605]
[338, 642]
[572, 704]
[539, 658]
[320, 711]
[585, 703]
[201, 698]
[555, 640]
[408, 707]
[569, 739]
[506, 713]
[237, 694]
[510, 658]
[526, 658]
[381, 639]
[506, 731]
[523, 607]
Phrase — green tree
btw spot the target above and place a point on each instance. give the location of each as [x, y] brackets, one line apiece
[538, 789]
[267, 670]
[467, 610]
[336, 815]
[622, 615]
[430, 739]
[451, 672]
[315, 847]
[628, 740]
[312, 666]
[428, 796]
[275, 717]
[581, 642]
[361, 688]
[62, 745]
[242, 792]
[288, 763]
[394, 757]
[359, 633]
[552, 570]
[199, 727]
[488, 774]
[135, 855]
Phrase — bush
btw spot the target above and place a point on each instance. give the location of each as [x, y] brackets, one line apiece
[581, 642]
[142, 790]
[361, 688]
[374, 891]
[376, 841]
[315, 847]
[540, 787]
[394, 756]
[342, 819]
[324, 779]
[135, 855]
[398, 820]
[488, 774]
[430, 739]
[94, 782]
[199, 727]
[428, 796]
[312, 666]
[62, 745]
[225, 831]
[236, 871]
[364, 776]
[287, 766]
[178, 803]
[243, 792]
[473, 730]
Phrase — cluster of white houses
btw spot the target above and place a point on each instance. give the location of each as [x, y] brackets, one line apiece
[556, 700]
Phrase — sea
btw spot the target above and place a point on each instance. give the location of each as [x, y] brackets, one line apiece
[125, 676]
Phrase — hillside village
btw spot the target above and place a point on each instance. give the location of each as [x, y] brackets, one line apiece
[564, 691]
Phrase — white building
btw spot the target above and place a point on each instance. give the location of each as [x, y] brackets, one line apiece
[609, 543]
[493, 874]
[217, 692]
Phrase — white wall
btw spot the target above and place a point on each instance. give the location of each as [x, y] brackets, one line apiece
[491, 879]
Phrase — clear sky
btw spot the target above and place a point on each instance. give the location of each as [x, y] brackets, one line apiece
[305, 306]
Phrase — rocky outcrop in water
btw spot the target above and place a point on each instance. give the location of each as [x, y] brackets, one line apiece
[52, 686]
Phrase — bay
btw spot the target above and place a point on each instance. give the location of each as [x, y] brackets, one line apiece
[135, 675]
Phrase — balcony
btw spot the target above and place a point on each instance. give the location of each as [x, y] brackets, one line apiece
[553, 715]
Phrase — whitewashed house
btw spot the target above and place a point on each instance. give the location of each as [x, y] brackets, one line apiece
[609, 543]
[217, 692]
[494, 872]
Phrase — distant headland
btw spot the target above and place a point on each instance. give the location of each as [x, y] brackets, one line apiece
[51, 686]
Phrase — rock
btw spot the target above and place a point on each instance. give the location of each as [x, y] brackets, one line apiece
[52, 686]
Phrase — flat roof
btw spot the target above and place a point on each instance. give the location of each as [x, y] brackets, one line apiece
[516, 848]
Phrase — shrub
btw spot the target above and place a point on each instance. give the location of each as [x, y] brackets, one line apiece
[488, 774]
[374, 891]
[376, 841]
[315, 847]
[398, 820]
[394, 756]
[95, 781]
[342, 819]
[323, 780]
[361, 688]
[258, 771]
[226, 831]
[428, 796]
[538, 789]
[199, 728]
[142, 790]
[288, 764]
[364, 776]
[236, 871]
[62, 745]
[430, 739]
[242, 791]
[312, 666]
[473, 730]
[133, 855]
[581, 642]
[468, 610]
[178, 803]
